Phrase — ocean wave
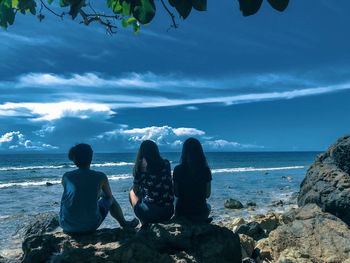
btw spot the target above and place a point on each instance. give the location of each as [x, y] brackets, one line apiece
[44, 182]
[111, 164]
[61, 166]
[254, 169]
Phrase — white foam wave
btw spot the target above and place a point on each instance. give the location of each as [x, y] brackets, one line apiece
[254, 169]
[41, 167]
[28, 184]
[20, 168]
[53, 182]
[111, 164]
[119, 177]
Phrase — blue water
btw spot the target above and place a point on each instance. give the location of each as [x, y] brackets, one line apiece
[259, 177]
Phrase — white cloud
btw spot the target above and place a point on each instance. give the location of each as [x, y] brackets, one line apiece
[192, 108]
[55, 110]
[164, 135]
[136, 80]
[94, 102]
[228, 145]
[167, 138]
[45, 130]
[15, 140]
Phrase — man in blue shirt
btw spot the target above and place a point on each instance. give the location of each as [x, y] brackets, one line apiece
[87, 197]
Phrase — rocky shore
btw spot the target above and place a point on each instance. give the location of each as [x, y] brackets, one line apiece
[315, 232]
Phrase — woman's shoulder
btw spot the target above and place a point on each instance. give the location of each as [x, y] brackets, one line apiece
[166, 164]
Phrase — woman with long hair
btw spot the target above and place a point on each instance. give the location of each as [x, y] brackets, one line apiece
[192, 183]
[152, 196]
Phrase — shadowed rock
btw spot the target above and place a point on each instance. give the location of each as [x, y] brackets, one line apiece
[327, 182]
[173, 242]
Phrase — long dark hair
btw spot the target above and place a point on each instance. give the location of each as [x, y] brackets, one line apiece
[148, 150]
[192, 157]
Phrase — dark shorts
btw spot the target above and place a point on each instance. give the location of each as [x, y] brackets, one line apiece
[201, 215]
[104, 205]
[151, 213]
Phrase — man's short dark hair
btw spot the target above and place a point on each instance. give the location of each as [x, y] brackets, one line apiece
[81, 155]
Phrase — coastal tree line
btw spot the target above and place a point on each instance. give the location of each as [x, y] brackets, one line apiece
[119, 13]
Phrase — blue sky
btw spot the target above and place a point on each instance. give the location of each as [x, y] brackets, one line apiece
[270, 82]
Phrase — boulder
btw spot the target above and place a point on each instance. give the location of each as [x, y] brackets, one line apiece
[252, 229]
[233, 204]
[268, 222]
[311, 236]
[39, 224]
[327, 182]
[248, 245]
[263, 250]
[177, 241]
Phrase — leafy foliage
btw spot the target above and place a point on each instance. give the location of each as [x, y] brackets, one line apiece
[128, 12]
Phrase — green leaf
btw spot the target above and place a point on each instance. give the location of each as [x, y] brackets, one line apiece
[128, 21]
[7, 14]
[144, 11]
[136, 26]
[249, 7]
[75, 6]
[64, 3]
[126, 8]
[200, 5]
[50, 1]
[172, 2]
[27, 5]
[183, 7]
[279, 5]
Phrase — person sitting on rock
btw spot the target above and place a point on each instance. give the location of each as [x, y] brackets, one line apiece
[152, 196]
[192, 183]
[87, 197]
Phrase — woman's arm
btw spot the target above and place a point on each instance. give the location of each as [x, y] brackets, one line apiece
[208, 190]
[176, 189]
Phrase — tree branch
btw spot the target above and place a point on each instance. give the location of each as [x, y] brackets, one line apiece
[89, 18]
[172, 16]
[50, 10]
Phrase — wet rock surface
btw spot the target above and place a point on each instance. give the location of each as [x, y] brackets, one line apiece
[233, 204]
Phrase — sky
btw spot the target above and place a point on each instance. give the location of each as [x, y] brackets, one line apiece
[270, 82]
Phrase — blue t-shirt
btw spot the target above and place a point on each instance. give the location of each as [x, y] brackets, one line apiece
[79, 209]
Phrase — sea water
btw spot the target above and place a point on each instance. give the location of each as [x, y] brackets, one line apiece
[263, 178]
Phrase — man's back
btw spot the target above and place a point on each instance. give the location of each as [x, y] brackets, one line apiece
[79, 209]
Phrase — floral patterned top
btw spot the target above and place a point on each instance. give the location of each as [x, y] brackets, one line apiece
[156, 188]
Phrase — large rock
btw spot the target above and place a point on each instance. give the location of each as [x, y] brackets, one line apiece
[39, 224]
[251, 229]
[233, 204]
[173, 242]
[311, 236]
[327, 182]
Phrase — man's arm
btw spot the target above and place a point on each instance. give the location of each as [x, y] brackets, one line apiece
[106, 188]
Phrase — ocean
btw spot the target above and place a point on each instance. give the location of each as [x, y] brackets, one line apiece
[261, 177]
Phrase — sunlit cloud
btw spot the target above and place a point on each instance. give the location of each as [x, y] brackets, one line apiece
[53, 111]
[168, 138]
[15, 140]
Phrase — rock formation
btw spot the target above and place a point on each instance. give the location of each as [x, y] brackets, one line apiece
[327, 182]
[173, 242]
[312, 236]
